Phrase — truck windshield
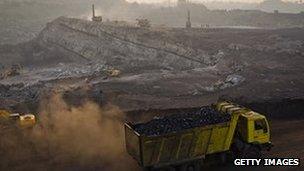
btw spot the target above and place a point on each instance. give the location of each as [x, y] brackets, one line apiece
[260, 125]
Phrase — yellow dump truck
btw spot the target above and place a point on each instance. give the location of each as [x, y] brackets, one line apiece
[8, 119]
[245, 135]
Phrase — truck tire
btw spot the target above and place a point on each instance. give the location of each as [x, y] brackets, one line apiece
[236, 152]
[197, 166]
[194, 166]
[223, 158]
[252, 152]
[170, 168]
[147, 169]
[184, 167]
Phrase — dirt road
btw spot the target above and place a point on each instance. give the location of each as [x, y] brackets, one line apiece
[288, 139]
[287, 136]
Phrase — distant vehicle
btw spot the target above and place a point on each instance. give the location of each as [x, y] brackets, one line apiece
[9, 120]
[114, 72]
[244, 136]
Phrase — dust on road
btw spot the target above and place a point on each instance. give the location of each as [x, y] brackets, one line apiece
[69, 137]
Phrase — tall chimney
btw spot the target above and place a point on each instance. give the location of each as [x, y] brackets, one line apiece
[93, 9]
[188, 23]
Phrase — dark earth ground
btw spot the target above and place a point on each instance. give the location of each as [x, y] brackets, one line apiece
[286, 136]
[286, 131]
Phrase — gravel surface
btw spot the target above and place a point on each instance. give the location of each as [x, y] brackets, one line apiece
[182, 121]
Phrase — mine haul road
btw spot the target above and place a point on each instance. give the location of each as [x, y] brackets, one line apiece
[288, 140]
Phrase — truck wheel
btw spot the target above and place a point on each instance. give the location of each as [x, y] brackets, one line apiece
[184, 167]
[147, 169]
[252, 152]
[171, 168]
[237, 149]
[223, 158]
[195, 166]
[236, 153]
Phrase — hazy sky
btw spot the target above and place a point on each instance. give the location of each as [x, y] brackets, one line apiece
[158, 1]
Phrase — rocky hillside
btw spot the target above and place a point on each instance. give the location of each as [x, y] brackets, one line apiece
[161, 67]
[125, 47]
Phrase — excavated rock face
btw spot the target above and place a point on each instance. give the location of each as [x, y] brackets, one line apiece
[160, 67]
[125, 47]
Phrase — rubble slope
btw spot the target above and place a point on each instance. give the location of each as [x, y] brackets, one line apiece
[161, 67]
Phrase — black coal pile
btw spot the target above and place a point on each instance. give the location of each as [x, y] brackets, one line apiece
[182, 121]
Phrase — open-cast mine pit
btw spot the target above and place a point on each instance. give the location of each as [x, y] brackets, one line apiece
[83, 80]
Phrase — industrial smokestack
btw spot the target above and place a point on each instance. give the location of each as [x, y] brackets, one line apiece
[188, 23]
[93, 10]
[94, 17]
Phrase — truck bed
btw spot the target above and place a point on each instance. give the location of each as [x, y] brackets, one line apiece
[178, 147]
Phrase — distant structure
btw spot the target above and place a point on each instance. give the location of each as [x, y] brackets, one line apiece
[94, 17]
[188, 23]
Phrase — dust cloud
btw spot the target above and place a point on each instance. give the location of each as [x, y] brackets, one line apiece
[87, 137]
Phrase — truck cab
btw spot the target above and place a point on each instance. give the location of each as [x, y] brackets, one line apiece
[254, 128]
[252, 132]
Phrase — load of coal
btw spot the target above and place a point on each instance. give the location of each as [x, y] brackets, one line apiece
[182, 121]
